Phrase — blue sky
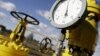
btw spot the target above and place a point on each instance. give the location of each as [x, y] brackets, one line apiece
[31, 7]
[98, 2]
[36, 8]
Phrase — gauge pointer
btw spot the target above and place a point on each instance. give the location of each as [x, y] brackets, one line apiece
[66, 14]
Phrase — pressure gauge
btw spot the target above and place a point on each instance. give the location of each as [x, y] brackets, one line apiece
[65, 13]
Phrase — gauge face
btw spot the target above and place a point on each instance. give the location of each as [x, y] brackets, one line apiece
[66, 12]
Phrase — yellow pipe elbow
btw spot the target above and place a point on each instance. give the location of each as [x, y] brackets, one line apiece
[92, 6]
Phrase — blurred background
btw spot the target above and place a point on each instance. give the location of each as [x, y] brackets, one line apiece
[40, 9]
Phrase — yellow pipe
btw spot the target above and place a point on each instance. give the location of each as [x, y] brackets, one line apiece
[13, 45]
[93, 7]
[94, 10]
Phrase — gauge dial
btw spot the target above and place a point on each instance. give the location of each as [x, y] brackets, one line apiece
[66, 12]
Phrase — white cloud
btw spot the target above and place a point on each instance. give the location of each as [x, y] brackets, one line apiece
[7, 6]
[99, 31]
[2, 15]
[97, 52]
[43, 13]
[33, 27]
[46, 15]
[44, 30]
[14, 20]
[42, 27]
[46, 27]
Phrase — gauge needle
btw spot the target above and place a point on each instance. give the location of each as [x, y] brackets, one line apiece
[66, 14]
